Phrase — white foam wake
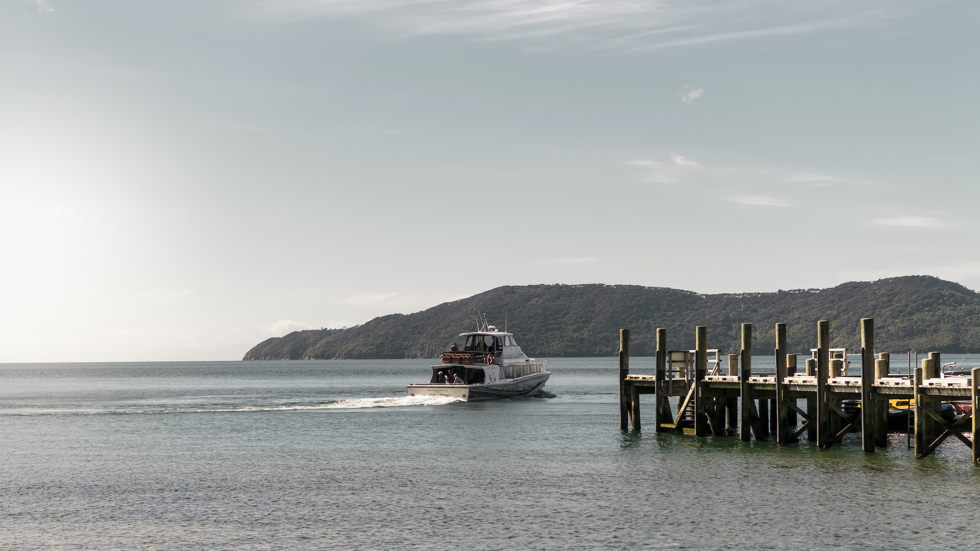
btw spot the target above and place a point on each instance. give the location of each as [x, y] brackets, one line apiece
[358, 403]
[393, 402]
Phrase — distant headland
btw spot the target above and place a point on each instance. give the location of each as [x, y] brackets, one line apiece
[921, 313]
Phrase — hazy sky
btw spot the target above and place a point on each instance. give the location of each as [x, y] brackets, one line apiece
[182, 179]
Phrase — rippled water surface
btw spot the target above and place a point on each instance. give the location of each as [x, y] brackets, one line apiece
[334, 455]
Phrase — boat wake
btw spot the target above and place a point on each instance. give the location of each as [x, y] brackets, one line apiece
[355, 403]
[424, 400]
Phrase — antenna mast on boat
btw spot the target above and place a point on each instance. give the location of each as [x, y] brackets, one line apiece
[486, 326]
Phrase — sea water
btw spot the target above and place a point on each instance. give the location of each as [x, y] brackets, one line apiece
[335, 455]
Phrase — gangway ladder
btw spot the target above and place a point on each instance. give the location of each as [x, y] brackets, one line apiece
[680, 366]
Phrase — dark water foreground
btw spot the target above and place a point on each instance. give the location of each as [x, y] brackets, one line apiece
[332, 455]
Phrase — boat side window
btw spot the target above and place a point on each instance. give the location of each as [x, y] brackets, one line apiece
[468, 346]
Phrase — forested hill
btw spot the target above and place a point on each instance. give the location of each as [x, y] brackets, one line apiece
[911, 313]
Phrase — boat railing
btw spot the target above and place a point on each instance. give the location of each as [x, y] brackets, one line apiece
[471, 357]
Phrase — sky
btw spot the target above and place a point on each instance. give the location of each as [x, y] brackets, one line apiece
[181, 180]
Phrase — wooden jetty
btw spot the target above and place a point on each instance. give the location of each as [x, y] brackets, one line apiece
[766, 404]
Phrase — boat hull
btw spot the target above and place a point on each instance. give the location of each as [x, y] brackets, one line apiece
[529, 385]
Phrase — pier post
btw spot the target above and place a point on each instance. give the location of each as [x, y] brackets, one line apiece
[731, 403]
[931, 371]
[867, 380]
[836, 369]
[811, 403]
[635, 407]
[779, 404]
[920, 415]
[791, 419]
[745, 368]
[761, 427]
[881, 403]
[662, 405]
[700, 370]
[823, 368]
[975, 395]
[625, 394]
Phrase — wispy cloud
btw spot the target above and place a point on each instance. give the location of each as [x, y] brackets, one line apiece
[667, 173]
[42, 6]
[759, 201]
[814, 179]
[911, 221]
[624, 24]
[691, 94]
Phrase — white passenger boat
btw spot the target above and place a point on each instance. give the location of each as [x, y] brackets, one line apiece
[490, 366]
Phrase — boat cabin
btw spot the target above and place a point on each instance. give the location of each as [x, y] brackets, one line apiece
[490, 347]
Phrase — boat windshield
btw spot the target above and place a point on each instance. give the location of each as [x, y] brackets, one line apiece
[480, 343]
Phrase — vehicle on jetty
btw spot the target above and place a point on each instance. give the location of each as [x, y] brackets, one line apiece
[490, 366]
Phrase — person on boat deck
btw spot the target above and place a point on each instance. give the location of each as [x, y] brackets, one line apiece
[458, 381]
[453, 348]
[440, 378]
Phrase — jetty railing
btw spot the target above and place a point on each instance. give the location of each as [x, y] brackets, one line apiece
[740, 403]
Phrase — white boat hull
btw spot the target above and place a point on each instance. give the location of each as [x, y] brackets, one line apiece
[529, 385]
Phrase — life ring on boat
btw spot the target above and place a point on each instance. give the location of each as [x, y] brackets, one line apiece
[489, 359]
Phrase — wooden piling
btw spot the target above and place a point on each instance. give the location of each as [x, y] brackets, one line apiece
[881, 403]
[867, 380]
[745, 367]
[779, 404]
[975, 396]
[836, 422]
[823, 367]
[625, 396]
[920, 415]
[761, 425]
[635, 407]
[811, 403]
[791, 418]
[700, 371]
[662, 406]
[731, 403]
[931, 371]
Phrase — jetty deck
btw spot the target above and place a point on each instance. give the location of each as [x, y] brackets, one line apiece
[738, 402]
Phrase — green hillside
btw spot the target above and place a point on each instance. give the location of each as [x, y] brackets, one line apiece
[911, 313]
